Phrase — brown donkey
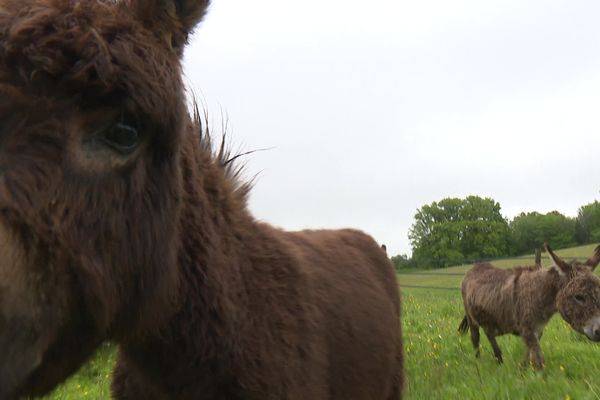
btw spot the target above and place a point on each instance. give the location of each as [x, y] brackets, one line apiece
[118, 222]
[522, 300]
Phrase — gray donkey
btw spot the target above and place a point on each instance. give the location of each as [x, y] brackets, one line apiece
[522, 300]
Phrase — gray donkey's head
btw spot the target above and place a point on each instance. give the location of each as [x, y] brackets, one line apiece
[578, 300]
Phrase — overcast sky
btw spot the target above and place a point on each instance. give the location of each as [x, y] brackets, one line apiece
[374, 109]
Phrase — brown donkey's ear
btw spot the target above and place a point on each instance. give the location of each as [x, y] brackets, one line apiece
[559, 262]
[594, 260]
[171, 20]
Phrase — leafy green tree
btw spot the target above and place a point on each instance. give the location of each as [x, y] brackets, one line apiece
[530, 230]
[453, 229]
[587, 226]
[401, 261]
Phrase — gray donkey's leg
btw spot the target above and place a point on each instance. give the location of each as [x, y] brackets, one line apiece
[475, 337]
[534, 351]
[492, 338]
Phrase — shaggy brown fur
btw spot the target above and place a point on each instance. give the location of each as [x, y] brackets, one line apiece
[522, 300]
[118, 222]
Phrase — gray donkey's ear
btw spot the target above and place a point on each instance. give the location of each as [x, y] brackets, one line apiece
[562, 265]
[594, 260]
[171, 20]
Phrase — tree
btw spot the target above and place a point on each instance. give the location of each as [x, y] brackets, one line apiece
[453, 229]
[401, 261]
[530, 230]
[587, 225]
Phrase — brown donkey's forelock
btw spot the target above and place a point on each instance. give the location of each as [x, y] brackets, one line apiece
[119, 223]
[521, 301]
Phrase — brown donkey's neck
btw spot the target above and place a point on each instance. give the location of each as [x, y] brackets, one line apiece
[217, 239]
[215, 228]
[217, 242]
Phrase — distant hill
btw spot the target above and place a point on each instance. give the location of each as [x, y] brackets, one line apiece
[451, 277]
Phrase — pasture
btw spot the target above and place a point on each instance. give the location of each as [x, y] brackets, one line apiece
[440, 363]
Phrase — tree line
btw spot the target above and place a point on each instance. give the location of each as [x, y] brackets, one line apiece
[453, 230]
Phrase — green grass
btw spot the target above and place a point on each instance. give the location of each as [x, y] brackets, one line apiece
[440, 364]
[93, 379]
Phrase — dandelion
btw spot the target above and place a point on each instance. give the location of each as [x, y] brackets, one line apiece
[562, 369]
[567, 397]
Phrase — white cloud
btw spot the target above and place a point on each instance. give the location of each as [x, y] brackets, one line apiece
[375, 109]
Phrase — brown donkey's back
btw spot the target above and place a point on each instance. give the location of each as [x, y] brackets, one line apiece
[351, 288]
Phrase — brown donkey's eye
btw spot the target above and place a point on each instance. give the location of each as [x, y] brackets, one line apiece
[123, 136]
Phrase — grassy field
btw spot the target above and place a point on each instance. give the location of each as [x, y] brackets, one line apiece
[92, 381]
[440, 364]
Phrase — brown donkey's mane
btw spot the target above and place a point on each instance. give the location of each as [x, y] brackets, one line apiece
[120, 222]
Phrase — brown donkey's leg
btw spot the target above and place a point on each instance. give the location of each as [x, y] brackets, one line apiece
[492, 338]
[128, 385]
[399, 378]
[396, 393]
